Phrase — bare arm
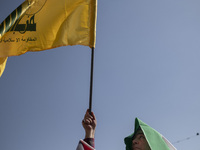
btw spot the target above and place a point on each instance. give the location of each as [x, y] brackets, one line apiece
[89, 124]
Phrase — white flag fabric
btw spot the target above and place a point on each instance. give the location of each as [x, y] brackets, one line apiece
[84, 146]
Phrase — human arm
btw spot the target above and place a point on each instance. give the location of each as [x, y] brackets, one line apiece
[89, 124]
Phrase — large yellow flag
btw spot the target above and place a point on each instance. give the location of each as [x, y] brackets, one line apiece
[44, 24]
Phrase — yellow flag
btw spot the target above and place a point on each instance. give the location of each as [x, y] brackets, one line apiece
[45, 24]
[3, 61]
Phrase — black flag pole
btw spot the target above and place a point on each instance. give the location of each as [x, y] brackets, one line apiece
[91, 79]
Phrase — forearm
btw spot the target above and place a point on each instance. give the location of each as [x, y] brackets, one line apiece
[89, 134]
[89, 124]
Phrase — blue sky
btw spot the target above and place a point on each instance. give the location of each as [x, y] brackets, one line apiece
[146, 66]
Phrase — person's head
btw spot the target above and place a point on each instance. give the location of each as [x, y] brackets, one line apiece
[145, 137]
[139, 141]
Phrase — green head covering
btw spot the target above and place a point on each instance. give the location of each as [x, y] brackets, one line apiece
[155, 140]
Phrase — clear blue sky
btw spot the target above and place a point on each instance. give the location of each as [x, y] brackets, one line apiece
[147, 65]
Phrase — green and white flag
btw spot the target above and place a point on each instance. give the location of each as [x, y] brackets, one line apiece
[155, 140]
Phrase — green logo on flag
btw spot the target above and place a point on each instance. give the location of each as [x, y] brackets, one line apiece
[9, 21]
[30, 25]
[12, 22]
